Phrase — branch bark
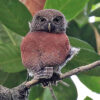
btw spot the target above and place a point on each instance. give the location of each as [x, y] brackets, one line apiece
[17, 93]
[80, 69]
[20, 92]
[70, 73]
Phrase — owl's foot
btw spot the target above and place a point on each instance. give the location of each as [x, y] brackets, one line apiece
[45, 73]
[51, 81]
[47, 76]
[46, 83]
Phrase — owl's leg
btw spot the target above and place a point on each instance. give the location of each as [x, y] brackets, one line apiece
[44, 75]
[64, 83]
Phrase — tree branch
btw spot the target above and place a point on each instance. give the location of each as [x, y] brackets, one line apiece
[64, 83]
[20, 92]
[70, 73]
[80, 69]
[52, 92]
[17, 93]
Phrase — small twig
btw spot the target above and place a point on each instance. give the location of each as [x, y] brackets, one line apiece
[32, 82]
[80, 69]
[97, 37]
[64, 83]
[52, 92]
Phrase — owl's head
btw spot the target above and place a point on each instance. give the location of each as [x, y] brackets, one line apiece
[48, 20]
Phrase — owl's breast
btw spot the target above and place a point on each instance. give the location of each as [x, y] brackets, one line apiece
[44, 49]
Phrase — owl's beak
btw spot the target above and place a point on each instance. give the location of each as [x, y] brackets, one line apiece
[49, 27]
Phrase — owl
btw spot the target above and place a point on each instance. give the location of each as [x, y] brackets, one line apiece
[46, 48]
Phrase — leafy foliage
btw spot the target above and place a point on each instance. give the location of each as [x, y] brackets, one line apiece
[87, 98]
[96, 12]
[47, 94]
[91, 82]
[38, 94]
[83, 59]
[66, 92]
[70, 8]
[14, 79]
[85, 33]
[3, 76]
[14, 18]
[10, 60]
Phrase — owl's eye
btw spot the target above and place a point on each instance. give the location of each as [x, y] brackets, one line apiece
[41, 19]
[57, 19]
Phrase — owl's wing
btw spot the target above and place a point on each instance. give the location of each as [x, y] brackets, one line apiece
[74, 51]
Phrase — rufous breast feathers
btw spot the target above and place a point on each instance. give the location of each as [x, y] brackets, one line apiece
[41, 49]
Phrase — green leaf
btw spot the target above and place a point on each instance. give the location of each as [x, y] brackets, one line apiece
[87, 98]
[89, 6]
[0, 42]
[10, 58]
[70, 8]
[36, 92]
[66, 93]
[95, 12]
[73, 29]
[3, 35]
[87, 34]
[80, 44]
[3, 76]
[62, 92]
[83, 58]
[92, 82]
[15, 16]
[12, 37]
[14, 79]
[82, 18]
[47, 94]
[96, 1]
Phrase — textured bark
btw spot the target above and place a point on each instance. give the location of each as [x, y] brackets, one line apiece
[17, 93]
[5, 93]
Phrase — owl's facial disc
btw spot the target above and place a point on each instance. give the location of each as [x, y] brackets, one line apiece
[52, 25]
[51, 21]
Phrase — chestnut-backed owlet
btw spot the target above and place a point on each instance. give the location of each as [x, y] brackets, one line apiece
[46, 48]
